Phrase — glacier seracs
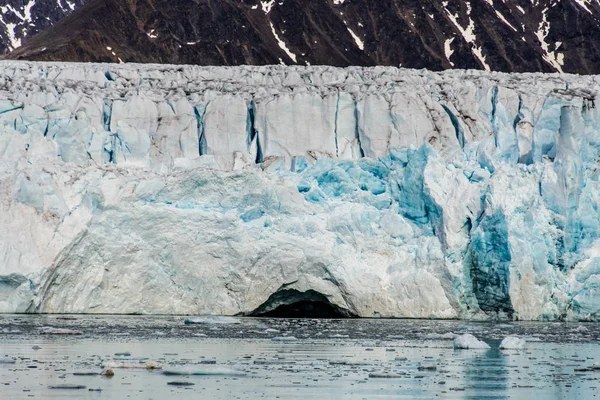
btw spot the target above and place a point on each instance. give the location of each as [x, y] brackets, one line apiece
[391, 192]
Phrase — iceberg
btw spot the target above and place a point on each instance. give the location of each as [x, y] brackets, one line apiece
[379, 192]
[468, 341]
[513, 343]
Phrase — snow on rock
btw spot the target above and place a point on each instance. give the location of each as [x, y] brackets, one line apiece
[468, 341]
[389, 192]
[512, 343]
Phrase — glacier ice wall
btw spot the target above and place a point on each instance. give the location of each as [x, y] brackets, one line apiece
[392, 192]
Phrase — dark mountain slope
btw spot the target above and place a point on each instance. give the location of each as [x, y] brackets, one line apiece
[513, 36]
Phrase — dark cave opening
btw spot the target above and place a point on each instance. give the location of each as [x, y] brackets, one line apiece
[291, 303]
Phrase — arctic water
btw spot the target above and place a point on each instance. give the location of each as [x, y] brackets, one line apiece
[51, 356]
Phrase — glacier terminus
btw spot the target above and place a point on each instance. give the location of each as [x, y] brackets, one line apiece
[385, 192]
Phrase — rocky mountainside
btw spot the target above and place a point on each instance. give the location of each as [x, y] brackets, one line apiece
[20, 19]
[499, 35]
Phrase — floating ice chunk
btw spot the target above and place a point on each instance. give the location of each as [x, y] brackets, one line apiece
[48, 330]
[468, 341]
[513, 342]
[284, 339]
[212, 321]
[344, 362]
[66, 386]
[203, 370]
[6, 360]
[504, 326]
[440, 336]
[273, 362]
[532, 339]
[385, 375]
[146, 365]
[180, 383]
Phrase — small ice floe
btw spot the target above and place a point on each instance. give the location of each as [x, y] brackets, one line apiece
[277, 361]
[48, 330]
[146, 365]
[580, 328]
[594, 367]
[468, 341]
[512, 343]
[66, 386]
[210, 320]
[284, 339]
[440, 336]
[6, 360]
[352, 363]
[203, 370]
[385, 375]
[180, 383]
[532, 339]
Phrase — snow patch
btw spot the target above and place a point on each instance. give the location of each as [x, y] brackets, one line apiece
[448, 50]
[505, 21]
[359, 43]
[267, 5]
[583, 4]
[282, 44]
[556, 60]
[14, 41]
[468, 34]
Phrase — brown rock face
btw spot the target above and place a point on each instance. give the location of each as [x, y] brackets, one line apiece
[511, 36]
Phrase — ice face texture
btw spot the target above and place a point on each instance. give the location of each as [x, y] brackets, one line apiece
[390, 192]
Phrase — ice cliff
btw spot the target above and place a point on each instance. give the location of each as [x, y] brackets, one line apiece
[387, 192]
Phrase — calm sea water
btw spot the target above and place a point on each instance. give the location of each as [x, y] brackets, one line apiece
[250, 358]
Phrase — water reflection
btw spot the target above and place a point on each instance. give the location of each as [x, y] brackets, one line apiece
[486, 373]
[349, 359]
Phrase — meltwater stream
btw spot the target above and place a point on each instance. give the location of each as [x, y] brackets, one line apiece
[264, 358]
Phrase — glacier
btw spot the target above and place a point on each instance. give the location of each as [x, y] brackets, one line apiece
[387, 192]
